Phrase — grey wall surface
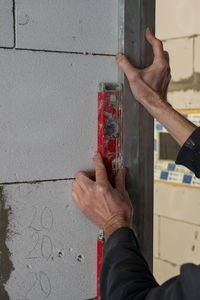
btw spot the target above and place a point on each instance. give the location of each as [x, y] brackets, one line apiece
[48, 112]
[6, 23]
[48, 130]
[52, 245]
[72, 25]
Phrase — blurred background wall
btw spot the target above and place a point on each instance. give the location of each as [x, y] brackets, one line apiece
[177, 208]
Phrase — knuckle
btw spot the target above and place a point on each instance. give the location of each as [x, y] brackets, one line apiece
[73, 183]
[101, 188]
[133, 77]
[121, 59]
[90, 190]
[85, 207]
[100, 167]
[163, 65]
[158, 42]
[166, 53]
[168, 71]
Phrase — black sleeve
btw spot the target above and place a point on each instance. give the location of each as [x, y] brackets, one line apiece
[189, 154]
[125, 274]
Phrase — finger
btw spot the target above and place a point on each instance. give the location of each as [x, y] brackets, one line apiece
[166, 55]
[166, 85]
[75, 198]
[155, 43]
[90, 174]
[124, 64]
[77, 188]
[120, 180]
[101, 173]
[83, 180]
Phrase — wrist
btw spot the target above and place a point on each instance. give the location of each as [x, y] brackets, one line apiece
[155, 105]
[178, 126]
[115, 223]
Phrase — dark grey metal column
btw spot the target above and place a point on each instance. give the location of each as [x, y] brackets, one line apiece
[134, 17]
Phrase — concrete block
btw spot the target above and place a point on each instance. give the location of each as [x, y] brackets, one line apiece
[52, 244]
[177, 18]
[179, 203]
[75, 26]
[48, 113]
[197, 54]
[164, 270]
[181, 58]
[179, 242]
[184, 99]
[6, 23]
[156, 236]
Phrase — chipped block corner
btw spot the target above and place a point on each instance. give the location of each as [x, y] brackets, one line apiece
[52, 59]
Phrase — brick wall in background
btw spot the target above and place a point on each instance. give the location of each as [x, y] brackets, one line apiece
[177, 209]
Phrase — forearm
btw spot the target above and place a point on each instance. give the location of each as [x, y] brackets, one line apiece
[125, 274]
[179, 127]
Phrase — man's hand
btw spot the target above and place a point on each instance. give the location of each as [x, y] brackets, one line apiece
[107, 207]
[149, 87]
[155, 78]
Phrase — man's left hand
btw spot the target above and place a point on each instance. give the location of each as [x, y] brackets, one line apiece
[107, 207]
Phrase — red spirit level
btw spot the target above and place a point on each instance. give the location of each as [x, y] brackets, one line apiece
[110, 141]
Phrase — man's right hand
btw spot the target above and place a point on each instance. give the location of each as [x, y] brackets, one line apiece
[152, 80]
[149, 87]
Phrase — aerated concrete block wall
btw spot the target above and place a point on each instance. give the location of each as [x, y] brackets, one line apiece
[53, 55]
[177, 209]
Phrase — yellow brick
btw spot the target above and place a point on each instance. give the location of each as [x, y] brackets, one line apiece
[181, 57]
[179, 203]
[156, 236]
[177, 18]
[179, 242]
[184, 100]
[164, 270]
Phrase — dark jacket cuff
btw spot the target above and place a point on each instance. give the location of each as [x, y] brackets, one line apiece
[189, 154]
[122, 237]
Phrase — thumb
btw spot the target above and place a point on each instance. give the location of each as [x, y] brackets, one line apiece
[120, 180]
[124, 64]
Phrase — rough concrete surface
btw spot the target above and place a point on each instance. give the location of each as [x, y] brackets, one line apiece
[48, 113]
[6, 266]
[6, 23]
[72, 25]
[52, 245]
